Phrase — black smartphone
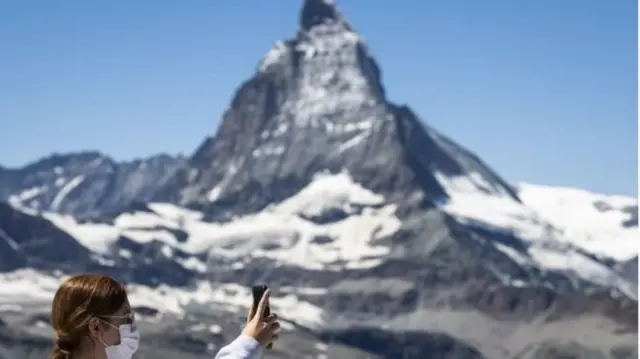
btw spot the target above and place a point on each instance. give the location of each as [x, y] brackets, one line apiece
[258, 292]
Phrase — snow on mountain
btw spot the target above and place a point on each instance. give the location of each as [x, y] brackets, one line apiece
[585, 220]
[602, 224]
[314, 229]
[285, 232]
[549, 239]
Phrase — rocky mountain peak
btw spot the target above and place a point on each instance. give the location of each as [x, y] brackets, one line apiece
[317, 104]
[326, 56]
[316, 12]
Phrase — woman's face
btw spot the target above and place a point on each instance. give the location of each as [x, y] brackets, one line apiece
[112, 323]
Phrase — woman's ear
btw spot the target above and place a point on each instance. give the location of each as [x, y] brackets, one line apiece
[94, 328]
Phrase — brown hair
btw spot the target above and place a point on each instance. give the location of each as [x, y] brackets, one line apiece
[79, 299]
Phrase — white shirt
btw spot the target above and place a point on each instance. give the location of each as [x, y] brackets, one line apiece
[243, 347]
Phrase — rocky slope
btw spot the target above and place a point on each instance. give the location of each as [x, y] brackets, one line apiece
[380, 236]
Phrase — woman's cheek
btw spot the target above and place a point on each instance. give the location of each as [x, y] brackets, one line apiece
[114, 338]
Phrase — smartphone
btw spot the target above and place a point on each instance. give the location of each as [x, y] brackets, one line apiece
[258, 292]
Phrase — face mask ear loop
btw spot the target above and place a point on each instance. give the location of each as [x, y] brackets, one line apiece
[112, 326]
[103, 343]
[109, 324]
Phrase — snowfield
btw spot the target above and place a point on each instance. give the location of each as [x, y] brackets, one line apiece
[550, 220]
[592, 221]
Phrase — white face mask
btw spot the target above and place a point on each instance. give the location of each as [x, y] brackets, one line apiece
[129, 341]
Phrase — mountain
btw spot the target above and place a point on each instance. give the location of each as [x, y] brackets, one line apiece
[380, 236]
[85, 183]
[317, 104]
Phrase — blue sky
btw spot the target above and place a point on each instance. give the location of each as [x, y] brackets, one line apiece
[544, 91]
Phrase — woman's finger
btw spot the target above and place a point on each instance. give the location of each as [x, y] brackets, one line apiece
[271, 327]
[274, 326]
[271, 318]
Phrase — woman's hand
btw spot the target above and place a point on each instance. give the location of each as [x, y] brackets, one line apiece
[262, 329]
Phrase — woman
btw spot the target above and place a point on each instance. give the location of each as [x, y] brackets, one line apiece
[92, 319]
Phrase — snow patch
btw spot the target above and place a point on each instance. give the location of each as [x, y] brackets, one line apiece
[589, 220]
[472, 199]
[582, 266]
[26, 195]
[64, 192]
[273, 56]
[26, 285]
[329, 191]
[10, 241]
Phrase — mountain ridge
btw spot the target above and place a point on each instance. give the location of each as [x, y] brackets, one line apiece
[85, 183]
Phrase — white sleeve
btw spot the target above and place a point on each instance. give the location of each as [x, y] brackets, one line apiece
[243, 347]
